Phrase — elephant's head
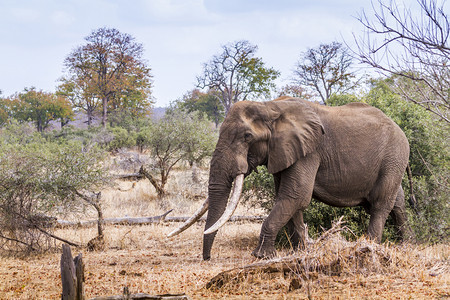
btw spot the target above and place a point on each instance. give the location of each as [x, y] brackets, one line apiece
[275, 133]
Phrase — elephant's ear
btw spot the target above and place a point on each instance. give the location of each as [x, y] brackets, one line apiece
[295, 133]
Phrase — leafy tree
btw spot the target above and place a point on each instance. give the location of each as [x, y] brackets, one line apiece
[236, 74]
[109, 67]
[201, 141]
[207, 103]
[5, 110]
[326, 70]
[81, 95]
[40, 107]
[294, 90]
[177, 136]
[414, 46]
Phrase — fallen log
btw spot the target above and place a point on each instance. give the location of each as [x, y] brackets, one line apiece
[115, 221]
[148, 220]
[132, 176]
[232, 219]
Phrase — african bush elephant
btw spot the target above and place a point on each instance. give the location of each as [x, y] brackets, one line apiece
[351, 155]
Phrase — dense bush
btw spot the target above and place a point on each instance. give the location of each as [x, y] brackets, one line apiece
[39, 178]
[121, 139]
[111, 138]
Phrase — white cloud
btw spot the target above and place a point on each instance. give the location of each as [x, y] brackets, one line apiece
[62, 18]
[24, 14]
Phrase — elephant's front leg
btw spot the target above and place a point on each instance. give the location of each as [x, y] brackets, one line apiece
[294, 195]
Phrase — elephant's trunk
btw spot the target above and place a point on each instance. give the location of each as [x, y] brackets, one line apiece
[231, 207]
[217, 196]
[219, 212]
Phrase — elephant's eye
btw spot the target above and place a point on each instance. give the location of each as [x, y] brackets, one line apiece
[248, 136]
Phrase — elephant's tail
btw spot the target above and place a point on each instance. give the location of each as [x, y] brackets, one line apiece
[412, 198]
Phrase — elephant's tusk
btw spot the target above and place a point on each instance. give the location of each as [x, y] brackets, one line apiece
[197, 215]
[231, 207]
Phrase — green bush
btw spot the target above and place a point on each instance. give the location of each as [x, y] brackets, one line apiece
[259, 189]
[111, 139]
[178, 136]
[121, 139]
[40, 178]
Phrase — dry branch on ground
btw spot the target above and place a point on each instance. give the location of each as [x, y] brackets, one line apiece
[332, 256]
[147, 220]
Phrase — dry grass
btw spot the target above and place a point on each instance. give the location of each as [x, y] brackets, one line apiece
[141, 258]
[333, 266]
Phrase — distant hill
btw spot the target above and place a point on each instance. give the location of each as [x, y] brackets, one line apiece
[158, 112]
[80, 119]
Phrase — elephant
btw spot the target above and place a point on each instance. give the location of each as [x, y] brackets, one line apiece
[345, 156]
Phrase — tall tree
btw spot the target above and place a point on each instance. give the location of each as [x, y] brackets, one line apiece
[80, 93]
[399, 42]
[236, 74]
[326, 70]
[110, 66]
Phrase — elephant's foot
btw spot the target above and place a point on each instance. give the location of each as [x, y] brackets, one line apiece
[264, 253]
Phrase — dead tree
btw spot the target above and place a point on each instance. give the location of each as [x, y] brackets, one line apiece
[72, 275]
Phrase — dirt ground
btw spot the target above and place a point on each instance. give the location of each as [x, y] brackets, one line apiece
[144, 260]
[141, 258]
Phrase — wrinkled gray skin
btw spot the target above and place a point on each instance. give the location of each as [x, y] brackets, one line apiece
[351, 155]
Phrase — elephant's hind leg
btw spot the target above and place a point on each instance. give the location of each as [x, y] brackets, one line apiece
[399, 215]
[382, 200]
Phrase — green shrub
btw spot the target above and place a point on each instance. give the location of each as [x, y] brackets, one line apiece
[121, 139]
[39, 178]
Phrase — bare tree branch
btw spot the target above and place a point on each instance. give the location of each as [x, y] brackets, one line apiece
[414, 47]
[326, 70]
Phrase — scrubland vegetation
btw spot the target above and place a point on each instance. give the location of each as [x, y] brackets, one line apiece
[125, 163]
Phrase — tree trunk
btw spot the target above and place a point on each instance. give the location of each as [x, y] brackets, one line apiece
[95, 202]
[89, 117]
[159, 187]
[100, 220]
[105, 111]
[72, 275]
[195, 178]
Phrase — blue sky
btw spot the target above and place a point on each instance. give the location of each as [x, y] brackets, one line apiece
[178, 35]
